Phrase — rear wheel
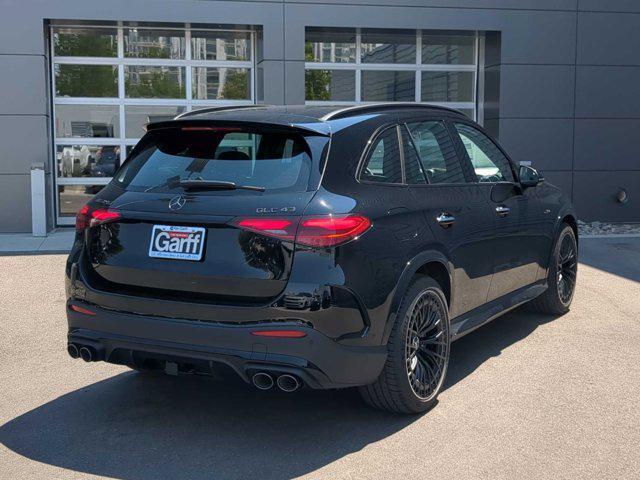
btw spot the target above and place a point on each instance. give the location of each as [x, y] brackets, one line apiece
[561, 278]
[418, 353]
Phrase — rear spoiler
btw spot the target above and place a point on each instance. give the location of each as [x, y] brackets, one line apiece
[309, 127]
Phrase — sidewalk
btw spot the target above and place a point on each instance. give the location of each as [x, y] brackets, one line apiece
[58, 241]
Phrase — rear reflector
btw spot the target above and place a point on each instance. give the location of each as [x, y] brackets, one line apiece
[279, 333]
[78, 309]
[312, 231]
[90, 218]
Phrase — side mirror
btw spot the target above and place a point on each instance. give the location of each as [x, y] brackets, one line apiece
[529, 176]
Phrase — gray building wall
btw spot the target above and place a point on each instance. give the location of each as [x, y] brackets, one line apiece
[562, 79]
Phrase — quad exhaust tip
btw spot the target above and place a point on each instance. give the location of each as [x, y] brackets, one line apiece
[86, 354]
[288, 383]
[73, 351]
[262, 380]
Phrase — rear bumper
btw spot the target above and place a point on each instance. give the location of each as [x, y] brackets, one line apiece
[317, 359]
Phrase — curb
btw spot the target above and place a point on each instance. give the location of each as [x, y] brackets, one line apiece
[7, 253]
[610, 235]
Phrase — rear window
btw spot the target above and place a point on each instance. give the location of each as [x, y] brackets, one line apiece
[274, 160]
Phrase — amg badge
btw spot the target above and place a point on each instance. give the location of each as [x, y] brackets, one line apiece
[179, 243]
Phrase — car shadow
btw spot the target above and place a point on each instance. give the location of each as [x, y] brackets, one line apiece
[136, 427]
[618, 256]
[475, 348]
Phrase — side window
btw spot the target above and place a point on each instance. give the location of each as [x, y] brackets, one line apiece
[413, 170]
[383, 163]
[489, 163]
[437, 152]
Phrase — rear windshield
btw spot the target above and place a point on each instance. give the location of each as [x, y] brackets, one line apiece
[274, 160]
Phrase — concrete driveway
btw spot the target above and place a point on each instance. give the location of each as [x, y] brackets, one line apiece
[527, 396]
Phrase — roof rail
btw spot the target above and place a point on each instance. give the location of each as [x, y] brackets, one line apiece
[373, 107]
[216, 109]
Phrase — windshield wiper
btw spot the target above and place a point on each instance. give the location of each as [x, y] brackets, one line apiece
[205, 185]
[216, 185]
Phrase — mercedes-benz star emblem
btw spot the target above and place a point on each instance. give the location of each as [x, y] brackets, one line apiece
[177, 202]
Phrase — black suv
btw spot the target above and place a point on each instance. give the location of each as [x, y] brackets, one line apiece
[314, 246]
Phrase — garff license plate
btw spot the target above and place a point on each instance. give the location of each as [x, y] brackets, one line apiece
[179, 243]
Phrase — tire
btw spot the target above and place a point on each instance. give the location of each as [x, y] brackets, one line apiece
[561, 277]
[400, 387]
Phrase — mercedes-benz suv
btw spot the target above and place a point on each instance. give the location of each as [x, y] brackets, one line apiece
[315, 246]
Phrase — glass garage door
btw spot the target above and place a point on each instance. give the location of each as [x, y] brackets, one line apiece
[108, 81]
[384, 65]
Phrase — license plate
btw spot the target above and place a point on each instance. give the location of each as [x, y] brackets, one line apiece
[179, 243]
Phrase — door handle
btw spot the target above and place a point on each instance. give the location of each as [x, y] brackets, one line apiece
[502, 211]
[445, 219]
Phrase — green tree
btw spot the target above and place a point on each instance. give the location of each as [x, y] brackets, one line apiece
[236, 85]
[316, 82]
[86, 80]
[83, 45]
[155, 84]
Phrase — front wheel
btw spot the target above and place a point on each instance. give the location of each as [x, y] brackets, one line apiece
[561, 277]
[418, 355]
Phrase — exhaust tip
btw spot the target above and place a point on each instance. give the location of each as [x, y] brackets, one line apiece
[288, 383]
[262, 380]
[73, 351]
[86, 354]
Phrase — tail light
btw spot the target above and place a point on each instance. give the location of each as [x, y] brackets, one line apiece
[328, 231]
[88, 217]
[312, 231]
[282, 228]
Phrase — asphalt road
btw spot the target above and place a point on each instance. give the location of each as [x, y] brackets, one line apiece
[527, 397]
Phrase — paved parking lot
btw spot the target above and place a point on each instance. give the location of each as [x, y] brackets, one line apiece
[527, 396]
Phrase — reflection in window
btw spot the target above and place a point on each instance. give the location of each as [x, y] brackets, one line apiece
[220, 83]
[453, 49]
[489, 163]
[447, 86]
[153, 60]
[85, 42]
[144, 81]
[72, 198]
[88, 121]
[383, 164]
[388, 86]
[147, 43]
[414, 172]
[273, 160]
[86, 80]
[336, 85]
[87, 160]
[388, 46]
[387, 66]
[137, 116]
[330, 46]
[437, 152]
[211, 45]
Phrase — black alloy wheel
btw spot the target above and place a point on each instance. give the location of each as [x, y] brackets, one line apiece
[561, 275]
[426, 345]
[567, 268]
[418, 352]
